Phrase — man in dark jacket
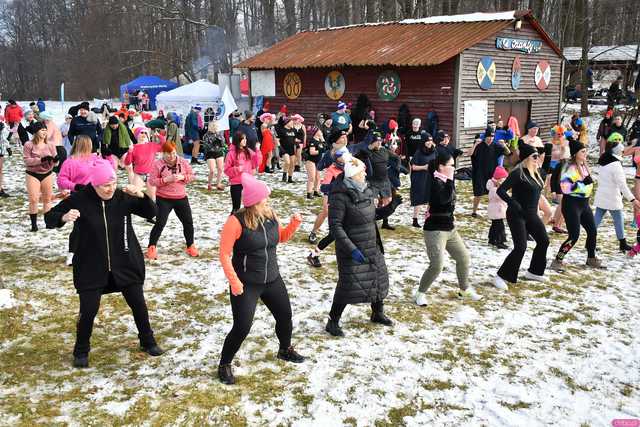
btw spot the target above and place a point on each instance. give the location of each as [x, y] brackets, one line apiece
[116, 139]
[108, 257]
[248, 127]
[81, 126]
[362, 272]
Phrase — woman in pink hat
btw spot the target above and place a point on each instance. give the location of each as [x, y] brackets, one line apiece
[108, 257]
[141, 156]
[248, 245]
[240, 159]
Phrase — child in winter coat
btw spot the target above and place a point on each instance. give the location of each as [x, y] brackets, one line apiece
[497, 209]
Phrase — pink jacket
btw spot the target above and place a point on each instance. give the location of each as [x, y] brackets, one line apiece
[142, 156]
[162, 176]
[497, 208]
[32, 155]
[235, 165]
[75, 170]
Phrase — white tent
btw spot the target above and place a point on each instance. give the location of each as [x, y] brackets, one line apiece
[181, 99]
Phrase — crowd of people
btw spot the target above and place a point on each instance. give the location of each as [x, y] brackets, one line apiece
[352, 161]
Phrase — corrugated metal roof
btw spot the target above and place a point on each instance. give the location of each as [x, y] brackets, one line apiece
[604, 53]
[396, 44]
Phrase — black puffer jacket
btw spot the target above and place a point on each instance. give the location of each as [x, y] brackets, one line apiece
[352, 216]
[106, 240]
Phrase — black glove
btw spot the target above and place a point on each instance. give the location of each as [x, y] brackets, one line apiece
[587, 180]
[78, 187]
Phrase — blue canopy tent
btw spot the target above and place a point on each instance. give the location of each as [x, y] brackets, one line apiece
[151, 84]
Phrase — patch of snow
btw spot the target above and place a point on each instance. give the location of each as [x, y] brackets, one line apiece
[6, 299]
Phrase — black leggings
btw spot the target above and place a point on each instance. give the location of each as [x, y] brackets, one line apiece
[236, 196]
[89, 305]
[337, 309]
[521, 225]
[275, 296]
[577, 212]
[183, 212]
[497, 233]
[326, 241]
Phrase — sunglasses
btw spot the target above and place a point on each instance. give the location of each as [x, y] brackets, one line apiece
[535, 156]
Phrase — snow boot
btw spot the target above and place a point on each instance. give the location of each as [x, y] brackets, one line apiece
[333, 327]
[380, 317]
[557, 265]
[386, 226]
[290, 355]
[34, 222]
[81, 361]
[225, 374]
[595, 263]
[624, 246]
[284, 177]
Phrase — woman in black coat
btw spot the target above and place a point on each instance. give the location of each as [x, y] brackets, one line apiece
[108, 257]
[420, 178]
[362, 272]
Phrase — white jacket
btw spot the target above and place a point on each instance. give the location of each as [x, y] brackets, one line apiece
[612, 185]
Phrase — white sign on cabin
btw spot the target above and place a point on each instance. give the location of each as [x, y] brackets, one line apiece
[475, 113]
[263, 83]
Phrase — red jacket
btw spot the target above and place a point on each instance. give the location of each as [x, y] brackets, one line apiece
[13, 113]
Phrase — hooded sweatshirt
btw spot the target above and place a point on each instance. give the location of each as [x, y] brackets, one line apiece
[236, 163]
[162, 176]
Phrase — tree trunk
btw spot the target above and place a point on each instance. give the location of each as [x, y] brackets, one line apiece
[585, 25]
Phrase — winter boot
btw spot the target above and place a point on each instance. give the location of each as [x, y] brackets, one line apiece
[192, 251]
[81, 360]
[284, 177]
[290, 180]
[34, 222]
[415, 224]
[557, 265]
[152, 350]
[595, 263]
[378, 316]
[290, 355]
[386, 226]
[624, 246]
[333, 327]
[225, 374]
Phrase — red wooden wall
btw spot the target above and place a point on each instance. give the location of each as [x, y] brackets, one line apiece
[421, 89]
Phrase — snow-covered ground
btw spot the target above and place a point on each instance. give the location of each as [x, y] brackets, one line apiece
[560, 353]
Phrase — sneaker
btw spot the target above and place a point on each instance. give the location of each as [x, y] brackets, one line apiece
[500, 284]
[152, 350]
[69, 260]
[469, 293]
[634, 251]
[225, 375]
[535, 277]
[81, 361]
[290, 355]
[421, 299]
[557, 265]
[314, 261]
[152, 252]
[313, 237]
[595, 263]
[192, 251]
[334, 328]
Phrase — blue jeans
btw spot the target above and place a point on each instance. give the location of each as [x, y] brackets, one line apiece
[618, 220]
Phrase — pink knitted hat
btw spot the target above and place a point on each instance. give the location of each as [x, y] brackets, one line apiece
[253, 191]
[101, 172]
[137, 131]
[500, 173]
[266, 116]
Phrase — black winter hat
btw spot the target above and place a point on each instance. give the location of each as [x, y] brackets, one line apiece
[530, 125]
[575, 146]
[439, 137]
[35, 127]
[84, 106]
[526, 150]
[113, 120]
[488, 132]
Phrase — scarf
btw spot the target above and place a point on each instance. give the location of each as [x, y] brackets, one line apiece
[355, 185]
